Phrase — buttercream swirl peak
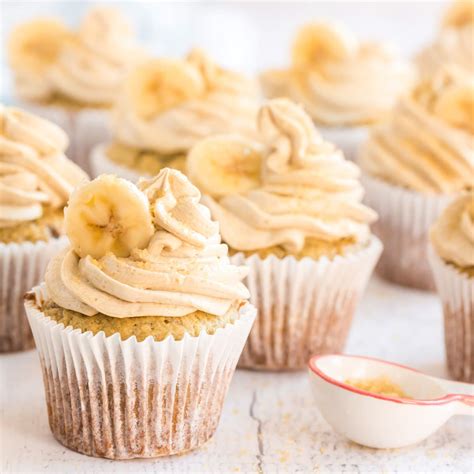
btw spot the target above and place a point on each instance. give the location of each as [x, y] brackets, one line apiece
[146, 250]
[34, 172]
[427, 144]
[307, 189]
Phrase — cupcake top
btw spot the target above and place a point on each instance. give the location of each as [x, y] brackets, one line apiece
[307, 190]
[146, 250]
[452, 235]
[454, 43]
[34, 172]
[339, 80]
[427, 144]
[84, 67]
[167, 105]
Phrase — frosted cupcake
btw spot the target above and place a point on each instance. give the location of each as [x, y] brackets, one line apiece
[454, 43]
[452, 262]
[166, 106]
[73, 77]
[302, 231]
[412, 166]
[140, 322]
[344, 84]
[35, 182]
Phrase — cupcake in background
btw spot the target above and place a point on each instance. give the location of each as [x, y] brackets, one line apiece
[344, 84]
[36, 179]
[413, 164]
[298, 224]
[452, 261]
[166, 106]
[73, 77]
[141, 321]
[454, 43]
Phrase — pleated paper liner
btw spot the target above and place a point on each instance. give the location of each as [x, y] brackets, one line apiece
[305, 307]
[456, 291]
[119, 399]
[22, 266]
[405, 218]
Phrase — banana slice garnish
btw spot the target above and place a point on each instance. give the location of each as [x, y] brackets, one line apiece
[35, 45]
[456, 106]
[161, 84]
[225, 164]
[460, 13]
[319, 42]
[108, 214]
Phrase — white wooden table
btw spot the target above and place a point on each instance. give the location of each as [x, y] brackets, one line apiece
[269, 423]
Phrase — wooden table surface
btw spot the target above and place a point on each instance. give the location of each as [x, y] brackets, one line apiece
[269, 423]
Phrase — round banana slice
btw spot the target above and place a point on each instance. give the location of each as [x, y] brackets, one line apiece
[319, 42]
[460, 13]
[161, 84]
[225, 164]
[456, 106]
[35, 45]
[108, 214]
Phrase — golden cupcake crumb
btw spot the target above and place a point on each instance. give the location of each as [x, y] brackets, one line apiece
[380, 385]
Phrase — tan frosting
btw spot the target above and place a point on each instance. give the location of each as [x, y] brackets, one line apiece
[33, 169]
[452, 235]
[308, 189]
[358, 88]
[91, 63]
[428, 142]
[183, 269]
[228, 102]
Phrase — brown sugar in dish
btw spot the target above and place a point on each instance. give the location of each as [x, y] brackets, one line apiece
[380, 385]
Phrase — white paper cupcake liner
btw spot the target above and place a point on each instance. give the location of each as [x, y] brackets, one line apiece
[126, 399]
[305, 306]
[456, 291]
[22, 266]
[84, 127]
[405, 218]
[102, 164]
[348, 139]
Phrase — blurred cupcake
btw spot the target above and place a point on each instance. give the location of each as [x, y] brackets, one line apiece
[72, 78]
[35, 182]
[454, 43]
[167, 105]
[300, 228]
[345, 85]
[141, 322]
[412, 166]
[452, 261]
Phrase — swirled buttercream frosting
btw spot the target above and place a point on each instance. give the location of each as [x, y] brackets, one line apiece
[178, 268]
[427, 144]
[168, 105]
[86, 66]
[452, 235]
[339, 80]
[307, 190]
[34, 172]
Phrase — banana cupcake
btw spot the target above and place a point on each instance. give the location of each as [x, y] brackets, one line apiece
[454, 43]
[35, 182]
[140, 322]
[413, 165]
[302, 231]
[343, 83]
[452, 260]
[166, 106]
[73, 77]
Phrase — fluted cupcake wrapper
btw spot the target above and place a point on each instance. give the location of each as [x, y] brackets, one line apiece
[348, 139]
[102, 164]
[405, 218]
[456, 291]
[305, 306]
[119, 399]
[22, 266]
[85, 128]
